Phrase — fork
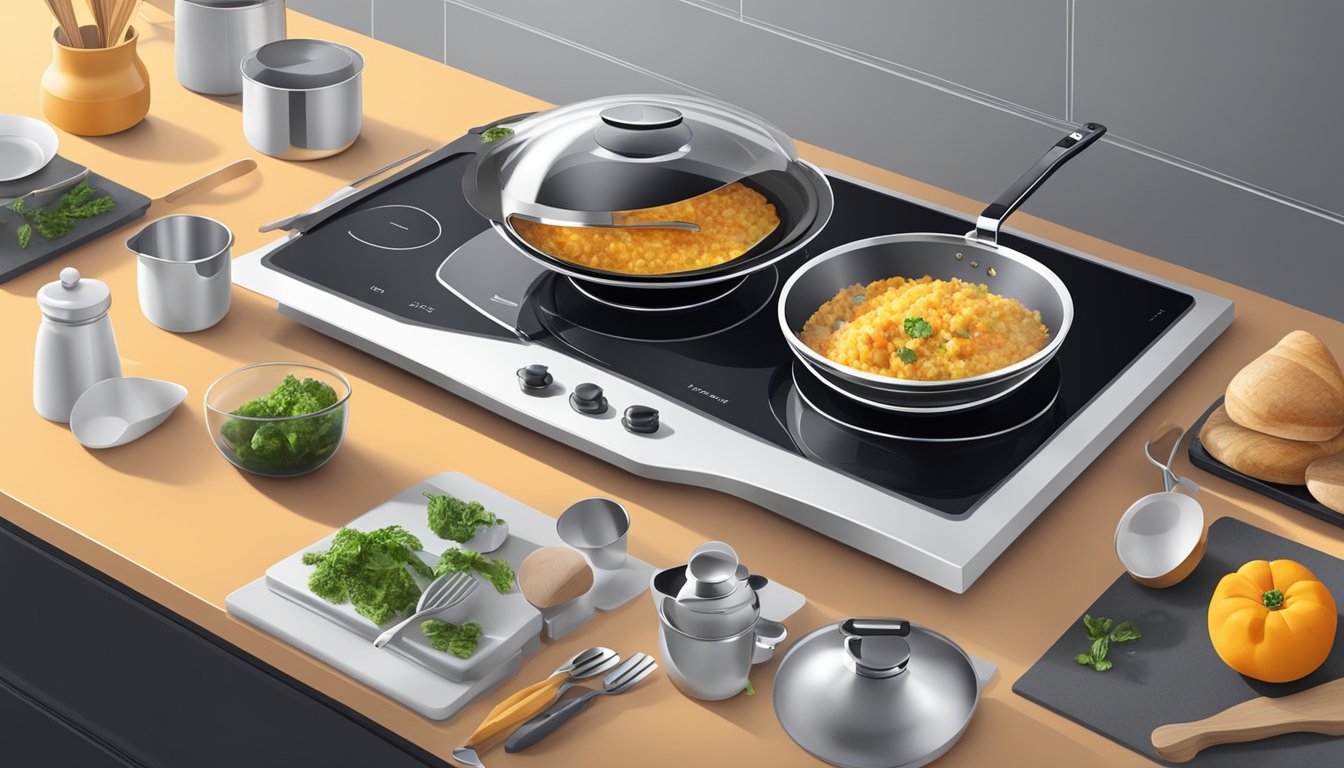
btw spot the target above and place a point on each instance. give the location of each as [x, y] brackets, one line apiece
[39, 198]
[618, 681]
[442, 593]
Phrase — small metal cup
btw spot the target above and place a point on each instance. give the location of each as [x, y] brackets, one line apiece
[184, 275]
[596, 527]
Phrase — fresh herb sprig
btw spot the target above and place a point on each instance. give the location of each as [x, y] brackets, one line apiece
[58, 220]
[455, 519]
[495, 134]
[458, 639]
[917, 328]
[370, 571]
[1101, 634]
[496, 570]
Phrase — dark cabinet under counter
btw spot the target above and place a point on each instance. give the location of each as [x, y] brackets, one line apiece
[93, 674]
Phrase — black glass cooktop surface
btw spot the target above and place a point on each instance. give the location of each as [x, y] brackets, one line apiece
[727, 358]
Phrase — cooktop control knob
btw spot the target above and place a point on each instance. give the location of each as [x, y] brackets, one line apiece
[641, 419]
[534, 379]
[588, 398]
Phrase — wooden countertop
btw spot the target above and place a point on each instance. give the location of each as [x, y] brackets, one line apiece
[170, 518]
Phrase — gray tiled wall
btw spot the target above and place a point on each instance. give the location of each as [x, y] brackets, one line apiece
[1222, 153]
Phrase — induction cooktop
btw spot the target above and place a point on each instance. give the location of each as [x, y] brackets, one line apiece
[410, 273]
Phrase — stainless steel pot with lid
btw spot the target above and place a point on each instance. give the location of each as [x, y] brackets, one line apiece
[875, 693]
[582, 164]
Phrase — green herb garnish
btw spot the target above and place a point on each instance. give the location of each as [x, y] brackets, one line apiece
[458, 639]
[1100, 636]
[455, 519]
[370, 571]
[963, 333]
[907, 355]
[495, 134]
[280, 447]
[496, 570]
[58, 220]
[917, 328]
[750, 689]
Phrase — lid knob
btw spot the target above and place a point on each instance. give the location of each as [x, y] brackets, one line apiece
[877, 646]
[640, 117]
[69, 277]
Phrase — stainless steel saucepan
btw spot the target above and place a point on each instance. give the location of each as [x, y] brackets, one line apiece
[976, 257]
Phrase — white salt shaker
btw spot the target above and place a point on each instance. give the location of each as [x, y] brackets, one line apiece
[75, 345]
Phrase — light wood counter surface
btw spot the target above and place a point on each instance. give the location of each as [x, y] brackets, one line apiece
[172, 519]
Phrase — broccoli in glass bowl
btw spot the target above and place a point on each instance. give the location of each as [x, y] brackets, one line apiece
[278, 419]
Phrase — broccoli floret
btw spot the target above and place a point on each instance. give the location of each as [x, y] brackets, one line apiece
[289, 446]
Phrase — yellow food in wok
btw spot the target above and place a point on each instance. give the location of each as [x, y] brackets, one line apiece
[732, 220]
[924, 329]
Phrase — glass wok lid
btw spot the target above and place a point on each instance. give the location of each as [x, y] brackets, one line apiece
[875, 693]
[621, 153]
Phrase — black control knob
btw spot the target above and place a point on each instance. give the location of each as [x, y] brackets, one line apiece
[640, 419]
[588, 398]
[534, 378]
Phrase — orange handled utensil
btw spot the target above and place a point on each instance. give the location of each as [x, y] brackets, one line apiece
[524, 704]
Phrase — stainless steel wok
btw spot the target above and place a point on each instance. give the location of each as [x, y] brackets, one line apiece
[975, 257]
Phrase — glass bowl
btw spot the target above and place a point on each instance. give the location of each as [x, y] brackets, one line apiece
[240, 414]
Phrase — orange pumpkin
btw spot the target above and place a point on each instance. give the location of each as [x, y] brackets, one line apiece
[1272, 621]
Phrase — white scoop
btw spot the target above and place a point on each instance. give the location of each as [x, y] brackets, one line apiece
[116, 411]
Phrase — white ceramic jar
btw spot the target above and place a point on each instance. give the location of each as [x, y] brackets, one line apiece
[75, 344]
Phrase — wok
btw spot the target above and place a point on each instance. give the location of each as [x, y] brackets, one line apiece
[976, 257]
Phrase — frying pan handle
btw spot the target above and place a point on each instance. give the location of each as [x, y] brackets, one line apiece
[987, 226]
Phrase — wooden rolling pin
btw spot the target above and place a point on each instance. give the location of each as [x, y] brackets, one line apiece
[1315, 710]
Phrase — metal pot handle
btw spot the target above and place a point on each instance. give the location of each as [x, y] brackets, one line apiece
[877, 646]
[987, 226]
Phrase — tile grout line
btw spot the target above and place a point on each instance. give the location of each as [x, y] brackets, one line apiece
[935, 83]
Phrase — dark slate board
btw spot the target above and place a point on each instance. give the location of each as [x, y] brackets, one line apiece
[1295, 496]
[1172, 674]
[14, 261]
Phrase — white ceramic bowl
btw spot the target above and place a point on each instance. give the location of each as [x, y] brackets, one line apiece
[1161, 538]
[26, 146]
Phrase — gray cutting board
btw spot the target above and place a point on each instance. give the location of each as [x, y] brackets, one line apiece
[14, 261]
[1173, 674]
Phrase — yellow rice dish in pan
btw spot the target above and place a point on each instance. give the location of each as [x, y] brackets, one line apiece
[732, 220]
[924, 329]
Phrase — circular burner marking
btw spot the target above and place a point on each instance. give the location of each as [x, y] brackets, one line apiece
[404, 229]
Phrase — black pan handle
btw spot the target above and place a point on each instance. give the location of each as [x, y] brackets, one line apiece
[987, 226]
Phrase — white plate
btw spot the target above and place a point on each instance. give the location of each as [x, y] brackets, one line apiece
[26, 146]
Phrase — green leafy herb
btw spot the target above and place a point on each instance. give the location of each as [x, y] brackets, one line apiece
[284, 447]
[58, 220]
[907, 355]
[1101, 634]
[917, 328]
[750, 689]
[963, 333]
[455, 519]
[458, 639]
[369, 570]
[496, 570]
[495, 134]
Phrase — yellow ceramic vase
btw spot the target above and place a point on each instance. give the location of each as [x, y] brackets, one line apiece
[95, 91]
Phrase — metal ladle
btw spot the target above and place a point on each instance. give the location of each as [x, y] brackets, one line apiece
[1170, 480]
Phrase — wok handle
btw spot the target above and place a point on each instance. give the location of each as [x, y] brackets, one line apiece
[987, 226]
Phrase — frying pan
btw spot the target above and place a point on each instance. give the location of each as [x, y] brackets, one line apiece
[975, 257]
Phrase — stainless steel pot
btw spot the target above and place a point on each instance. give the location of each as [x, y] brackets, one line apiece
[579, 165]
[976, 257]
[717, 668]
[876, 693]
[211, 37]
[184, 272]
[302, 99]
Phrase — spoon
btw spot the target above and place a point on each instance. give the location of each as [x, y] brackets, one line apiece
[117, 411]
[533, 699]
[621, 679]
[441, 594]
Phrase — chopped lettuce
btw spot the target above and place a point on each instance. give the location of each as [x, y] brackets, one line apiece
[283, 447]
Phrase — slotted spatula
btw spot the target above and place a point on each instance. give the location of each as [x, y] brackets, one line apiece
[1315, 710]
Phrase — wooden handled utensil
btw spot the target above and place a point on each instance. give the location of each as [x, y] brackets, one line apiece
[234, 170]
[64, 12]
[1315, 710]
[530, 701]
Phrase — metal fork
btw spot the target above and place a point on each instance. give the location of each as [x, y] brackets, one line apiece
[620, 680]
[40, 198]
[442, 593]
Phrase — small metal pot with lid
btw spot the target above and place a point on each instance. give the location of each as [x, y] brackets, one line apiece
[876, 693]
[586, 164]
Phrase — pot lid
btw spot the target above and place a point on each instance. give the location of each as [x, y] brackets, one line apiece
[875, 693]
[74, 299]
[299, 65]
[622, 153]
